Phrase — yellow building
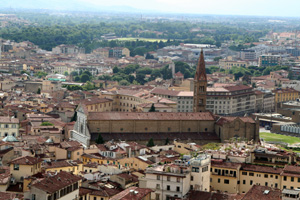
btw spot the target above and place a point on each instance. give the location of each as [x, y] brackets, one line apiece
[228, 64]
[24, 166]
[290, 178]
[225, 177]
[259, 175]
[66, 165]
[285, 94]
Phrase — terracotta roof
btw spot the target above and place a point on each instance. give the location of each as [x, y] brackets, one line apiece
[164, 92]
[95, 100]
[8, 120]
[4, 175]
[7, 196]
[285, 90]
[229, 165]
[196, 195]
[138, 194]
[224, 120]
[263, 169]
[55, 183]
[26, 160]
[70, 144]
[203, 116]
[260, 192]
[59, 164]
[291, 170]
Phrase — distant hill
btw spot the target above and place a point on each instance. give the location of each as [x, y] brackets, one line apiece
[72, 5]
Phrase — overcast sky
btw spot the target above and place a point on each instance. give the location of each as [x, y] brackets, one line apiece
[228, 7]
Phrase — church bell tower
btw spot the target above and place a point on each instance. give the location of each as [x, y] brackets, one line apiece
[200, 86]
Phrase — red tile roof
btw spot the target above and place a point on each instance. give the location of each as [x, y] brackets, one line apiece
[262, 169]
[224, 120]
[260, 192]
[55, 183]
[137, 194]
[26, 160]
[203, 116]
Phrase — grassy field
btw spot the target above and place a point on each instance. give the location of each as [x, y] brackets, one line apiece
[144, 39]
[272, 137]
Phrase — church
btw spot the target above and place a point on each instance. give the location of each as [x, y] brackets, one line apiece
[199, 126]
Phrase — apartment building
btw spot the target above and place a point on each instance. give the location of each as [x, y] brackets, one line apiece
[175, 180]
[9, 127]
[269, 60]
[67, 49]
[62, 186]
[228, 64]
[285, 94]
[116, 52]
[231, 100]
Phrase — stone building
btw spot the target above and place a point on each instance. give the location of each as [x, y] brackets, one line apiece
[140, 127]
[199, 126]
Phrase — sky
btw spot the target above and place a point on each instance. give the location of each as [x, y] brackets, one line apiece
[290, 8]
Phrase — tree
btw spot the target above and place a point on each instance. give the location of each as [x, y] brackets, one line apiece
[46, 124]
[39, 91]
[116, 70]
[88, 86]
[100, 139]
[77, 78]
[124, 82]
[152, 109]
[167, 141]
[74, 73]
[254, 85]
[66, 74]
[150, 143]
[87, 73]
[84, 78]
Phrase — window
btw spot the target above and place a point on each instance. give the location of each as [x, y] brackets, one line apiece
[284, 178]
[226, 181]
[292, 179]
[158, 177]
[298, 180]
[157, 186]
[169, 129]
[192, 178]
[178, 189]
[244, 182]
[244, 173]
[168, 178]
[266, 183]
[95, 198]
[168, 187]
[219, 180]
[178, 180]
[266, 176]
[6, 126]
[13, 126]
[251, 182]
[33, 197]
[276, 185]
[251, 174]
[157, 197]
[276, 177]
[16, 167]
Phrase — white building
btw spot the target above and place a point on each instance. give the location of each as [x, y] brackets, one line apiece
[175, 180]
